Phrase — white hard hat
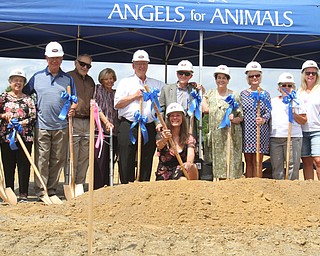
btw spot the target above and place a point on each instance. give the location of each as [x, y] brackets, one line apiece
[253, 66]
[140, 55]
[286, 78]
[54, 49]
[174, 107]
[185, 65]
[309, 64]
[18, 72]
[222, 69]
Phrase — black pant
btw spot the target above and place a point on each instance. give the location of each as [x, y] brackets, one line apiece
[102, 164]
[127, 152]
[13, 158]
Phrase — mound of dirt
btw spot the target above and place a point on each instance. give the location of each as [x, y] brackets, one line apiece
[233, 217]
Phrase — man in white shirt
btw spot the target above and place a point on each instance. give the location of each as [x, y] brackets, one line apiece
[127, 101]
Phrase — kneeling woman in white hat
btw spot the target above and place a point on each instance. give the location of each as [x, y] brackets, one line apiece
[168, 167]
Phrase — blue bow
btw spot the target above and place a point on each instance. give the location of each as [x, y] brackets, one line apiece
[233, 105]
[288, 100]
[68, 100]
[153, 96]
[195, 104]
[262, 96]
[16, 127]
[142, 120]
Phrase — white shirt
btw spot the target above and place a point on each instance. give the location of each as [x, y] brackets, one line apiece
[280, 118]
[312, 104]
[128, 86]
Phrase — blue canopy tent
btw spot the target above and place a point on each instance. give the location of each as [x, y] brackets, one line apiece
[276, 33]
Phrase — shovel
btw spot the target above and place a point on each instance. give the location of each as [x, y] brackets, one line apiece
[45, 198]
[228, 151]
[258, 143]
[288, 149]
[6, 194]
[139, 145]
[69, 190]
[171, 141]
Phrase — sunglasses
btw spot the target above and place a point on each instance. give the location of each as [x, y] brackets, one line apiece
[82, 64]
[311, 73]
[252, 76]
[181, 73]
[287, 85]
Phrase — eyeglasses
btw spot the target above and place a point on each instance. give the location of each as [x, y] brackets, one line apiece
[287, 85]
[311, 73]
[181, 73]
[82, 64]
[252, 76]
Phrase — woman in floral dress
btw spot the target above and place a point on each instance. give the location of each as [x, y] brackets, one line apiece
[214, 104]
[251, 120]
[16, 105]
[168, 167]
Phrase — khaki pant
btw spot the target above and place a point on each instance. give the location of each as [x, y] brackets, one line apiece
[50, 157]
[81, 128]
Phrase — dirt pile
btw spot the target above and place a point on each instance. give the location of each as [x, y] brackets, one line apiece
[234, 217]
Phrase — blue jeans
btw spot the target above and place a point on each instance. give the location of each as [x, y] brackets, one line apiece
[311, 144]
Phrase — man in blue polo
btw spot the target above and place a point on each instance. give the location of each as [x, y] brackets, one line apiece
[51, 133]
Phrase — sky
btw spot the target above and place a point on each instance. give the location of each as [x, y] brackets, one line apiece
[238, 79]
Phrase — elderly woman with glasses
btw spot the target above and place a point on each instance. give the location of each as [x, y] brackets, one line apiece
[256, 114]
[286, 108]
[309, 93]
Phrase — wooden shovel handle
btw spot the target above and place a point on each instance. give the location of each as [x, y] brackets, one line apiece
[288, 148]
[258, 143]
[36, 171]
[172, 144]
[72, 182]
[228, 151]
[139, 144]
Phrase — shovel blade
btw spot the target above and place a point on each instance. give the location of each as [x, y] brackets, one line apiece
[79, 190]
[68, 192]
[11, 196]
[45, 199]
[55, 200]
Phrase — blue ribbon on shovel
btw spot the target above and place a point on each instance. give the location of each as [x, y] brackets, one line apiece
[195, 104]
[138, 118]
[16, 127]
[288, 100]
[68, 100]
[233, 105]
[262, 96]
[153, 95]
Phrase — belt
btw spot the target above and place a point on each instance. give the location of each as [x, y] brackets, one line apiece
[122, 119]
[82, 117]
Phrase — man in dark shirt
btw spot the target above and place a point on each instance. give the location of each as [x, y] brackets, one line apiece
[81, 122]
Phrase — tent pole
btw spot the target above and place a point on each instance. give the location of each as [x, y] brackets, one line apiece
[78, 41]
[200, 82]
[166, 65]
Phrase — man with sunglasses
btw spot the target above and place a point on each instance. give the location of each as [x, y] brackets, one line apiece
[51, 133]
[180, 91]
[85, 86]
